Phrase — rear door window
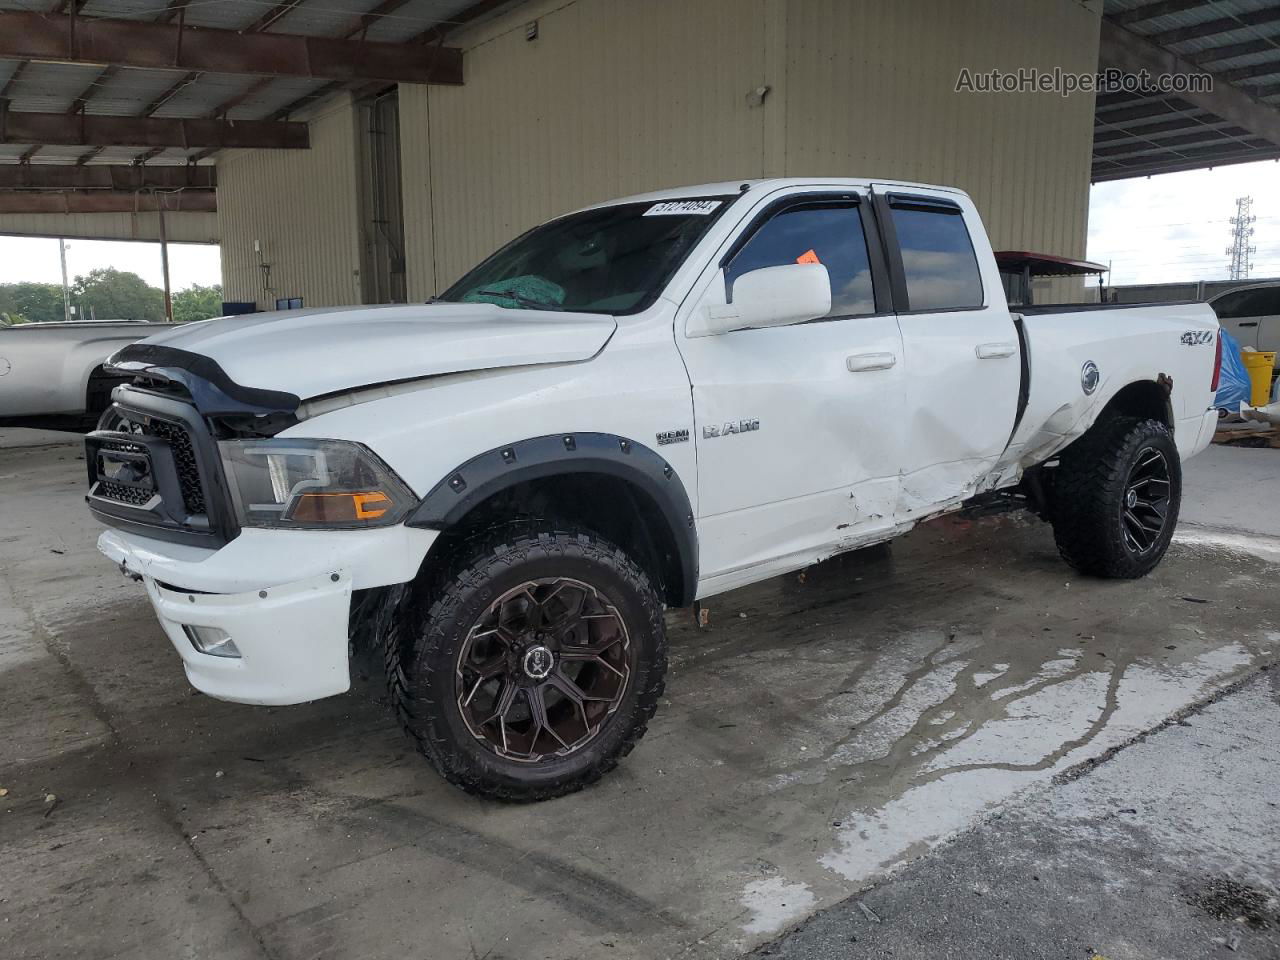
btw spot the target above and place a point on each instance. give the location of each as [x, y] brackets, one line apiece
[938, 261]
[829, 233]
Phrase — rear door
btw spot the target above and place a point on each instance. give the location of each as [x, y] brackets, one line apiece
[960, 345]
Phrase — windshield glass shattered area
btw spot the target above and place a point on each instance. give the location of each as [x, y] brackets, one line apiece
[610, 260]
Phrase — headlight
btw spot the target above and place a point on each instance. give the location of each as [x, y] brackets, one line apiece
[312, 483]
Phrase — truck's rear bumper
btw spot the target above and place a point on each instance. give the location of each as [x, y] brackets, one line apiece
[283, 597]
[1193, 434]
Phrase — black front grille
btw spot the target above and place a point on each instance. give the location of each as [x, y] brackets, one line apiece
[187, 502]
[184, 458]
[119, 492]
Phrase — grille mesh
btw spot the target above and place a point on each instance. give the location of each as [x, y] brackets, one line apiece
[119, 492]
[184, 458]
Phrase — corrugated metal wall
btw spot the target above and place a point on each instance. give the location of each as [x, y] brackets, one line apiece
[302, 207]
[870, 91]
[612, 98]
[616, 96]
[181, 227]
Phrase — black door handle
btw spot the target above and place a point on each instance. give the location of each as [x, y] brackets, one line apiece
[1248, 323]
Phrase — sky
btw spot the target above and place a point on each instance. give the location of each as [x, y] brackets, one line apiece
[1176, 226]
[36, 259]
[1164, 229]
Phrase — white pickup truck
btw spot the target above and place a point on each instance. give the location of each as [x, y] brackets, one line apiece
[51, 373]
[636, 406]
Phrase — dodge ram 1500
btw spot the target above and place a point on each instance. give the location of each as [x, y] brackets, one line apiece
[635, 406]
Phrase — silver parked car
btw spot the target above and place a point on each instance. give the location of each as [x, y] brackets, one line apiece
[51, 373]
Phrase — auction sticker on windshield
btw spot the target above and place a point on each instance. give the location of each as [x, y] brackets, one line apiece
[682, 207]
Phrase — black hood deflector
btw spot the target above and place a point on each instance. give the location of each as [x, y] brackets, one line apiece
[213, 392]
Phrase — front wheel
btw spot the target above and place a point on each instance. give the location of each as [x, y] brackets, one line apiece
[536, 665]
[1116, 496]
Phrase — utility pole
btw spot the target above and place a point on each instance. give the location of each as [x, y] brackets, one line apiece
[1240, 249]
[164, 258]
[66, 290]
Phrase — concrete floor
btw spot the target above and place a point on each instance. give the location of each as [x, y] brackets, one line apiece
[1171, 848]
[826, 729]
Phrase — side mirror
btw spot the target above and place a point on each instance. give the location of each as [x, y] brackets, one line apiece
[773, 297]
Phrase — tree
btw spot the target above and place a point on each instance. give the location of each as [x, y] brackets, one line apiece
[110, 294]
[31, 302]
[197, 303]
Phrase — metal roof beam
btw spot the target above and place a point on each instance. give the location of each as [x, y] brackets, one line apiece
[106, 201]
[167, 46]
[1242, 49]
[1264, 91]
[1120, 48]
[1179, 125]
[1152, 10]
[1126, 172]
[428, 38]
[1143, 111]
[474, 12]
[1211, 28]
[46, 129]
[26, 176]
[1250, 72]
[1187, 144]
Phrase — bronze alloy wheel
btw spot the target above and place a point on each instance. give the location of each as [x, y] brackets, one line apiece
[543, 669]
[1144, 510]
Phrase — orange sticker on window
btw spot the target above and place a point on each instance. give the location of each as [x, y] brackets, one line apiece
[809, 256]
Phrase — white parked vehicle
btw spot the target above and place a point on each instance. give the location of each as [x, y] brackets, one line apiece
[638, 405]
[51, 373]
[1251, 314]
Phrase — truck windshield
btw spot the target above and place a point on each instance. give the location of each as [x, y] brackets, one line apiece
[612, 260]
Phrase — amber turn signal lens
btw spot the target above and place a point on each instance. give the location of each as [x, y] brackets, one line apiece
[339, 507]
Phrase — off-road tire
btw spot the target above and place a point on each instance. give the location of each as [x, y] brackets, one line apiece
[1089, 490]
[421, 656]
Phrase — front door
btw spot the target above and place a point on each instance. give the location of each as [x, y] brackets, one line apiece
[958, 340]
[796, 427]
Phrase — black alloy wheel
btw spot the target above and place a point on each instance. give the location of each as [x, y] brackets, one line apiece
[1145, 508]
[543, 669]
[1116, 494]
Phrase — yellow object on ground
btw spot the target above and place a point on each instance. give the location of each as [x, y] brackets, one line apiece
[1259, 364]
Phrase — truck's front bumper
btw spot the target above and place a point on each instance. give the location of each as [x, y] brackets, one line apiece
[282, 597]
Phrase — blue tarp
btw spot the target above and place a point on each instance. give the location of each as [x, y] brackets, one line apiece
[1234, 387]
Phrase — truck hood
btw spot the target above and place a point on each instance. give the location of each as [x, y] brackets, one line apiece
[310, 353]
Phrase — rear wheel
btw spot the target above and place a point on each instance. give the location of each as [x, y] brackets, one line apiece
[534, 667]
[1116, 496]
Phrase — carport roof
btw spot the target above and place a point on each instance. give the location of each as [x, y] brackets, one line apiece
[1135, 134]
[1236, 41]
[35, 81]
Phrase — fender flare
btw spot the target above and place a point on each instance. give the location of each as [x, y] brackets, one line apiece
[560, 454]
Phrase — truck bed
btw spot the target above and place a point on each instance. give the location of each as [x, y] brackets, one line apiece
[1129, 343]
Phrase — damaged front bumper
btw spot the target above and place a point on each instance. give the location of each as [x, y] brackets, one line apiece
[282, 599]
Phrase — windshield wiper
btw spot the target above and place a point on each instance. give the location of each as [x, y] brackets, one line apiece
[518, 298]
